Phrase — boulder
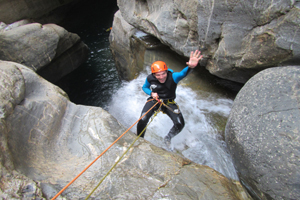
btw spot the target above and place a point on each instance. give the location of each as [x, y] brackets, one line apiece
[128, 46]
[48, 49]
[51, 140]
[262, 133]
[237, 39]
[119, 39]
[13, 185]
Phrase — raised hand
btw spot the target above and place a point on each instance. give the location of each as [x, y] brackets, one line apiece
[194, 59]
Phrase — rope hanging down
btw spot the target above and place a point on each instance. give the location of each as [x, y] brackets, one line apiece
[158, 101]
[123, 154]
[61, 191]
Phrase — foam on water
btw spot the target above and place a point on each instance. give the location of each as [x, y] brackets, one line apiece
[198, 141]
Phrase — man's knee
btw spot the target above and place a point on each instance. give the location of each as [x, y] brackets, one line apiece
[179, 124]
[142, 125]
[144, 120]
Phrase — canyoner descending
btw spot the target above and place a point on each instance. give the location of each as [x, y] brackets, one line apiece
[204, 106]
[161, 85]
[162, 88]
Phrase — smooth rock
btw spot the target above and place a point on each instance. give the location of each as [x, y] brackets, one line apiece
[262, 133]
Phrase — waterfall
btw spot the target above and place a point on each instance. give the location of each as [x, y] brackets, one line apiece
[96, 83]
[199, 141]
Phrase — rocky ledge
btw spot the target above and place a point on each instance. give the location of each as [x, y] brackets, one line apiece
[50, 140]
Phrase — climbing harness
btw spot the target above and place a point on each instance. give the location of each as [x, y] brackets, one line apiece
[176, 111]
[166, 103]
[161, 102]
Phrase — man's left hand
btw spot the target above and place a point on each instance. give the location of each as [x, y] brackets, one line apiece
[194, 59]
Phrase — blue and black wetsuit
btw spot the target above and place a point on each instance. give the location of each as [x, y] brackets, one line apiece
[167, 92]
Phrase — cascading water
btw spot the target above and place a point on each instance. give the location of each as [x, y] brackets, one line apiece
[199, 141]
[96, 82]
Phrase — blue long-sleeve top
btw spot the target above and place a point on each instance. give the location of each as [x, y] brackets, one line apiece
[177, 76]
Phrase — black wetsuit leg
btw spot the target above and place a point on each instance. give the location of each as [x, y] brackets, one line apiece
[177, 119]
[144, 121]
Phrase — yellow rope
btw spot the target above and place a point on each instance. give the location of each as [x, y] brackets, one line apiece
[123, 154]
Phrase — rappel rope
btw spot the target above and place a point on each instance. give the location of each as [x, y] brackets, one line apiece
[123, 154]
[173, 102]
[158, 101]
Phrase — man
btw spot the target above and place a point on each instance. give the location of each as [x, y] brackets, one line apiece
[161, 85]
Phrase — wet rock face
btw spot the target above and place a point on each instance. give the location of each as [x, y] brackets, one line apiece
[263, 130]
[237, 39]
[120, 40]
[51, 140]
[129, 46]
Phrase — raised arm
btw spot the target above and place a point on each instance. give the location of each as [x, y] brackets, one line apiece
[194, 59]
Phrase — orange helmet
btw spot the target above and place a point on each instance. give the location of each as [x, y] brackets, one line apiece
[158, 66]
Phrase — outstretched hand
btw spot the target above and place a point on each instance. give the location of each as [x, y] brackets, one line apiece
[194, 59]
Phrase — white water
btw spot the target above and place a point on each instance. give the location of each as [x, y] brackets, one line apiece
[198, 141]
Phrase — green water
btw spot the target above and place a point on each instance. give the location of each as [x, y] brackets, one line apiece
[94, 82]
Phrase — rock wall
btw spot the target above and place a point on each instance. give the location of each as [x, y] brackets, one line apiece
[120, 45]
[238, 39]
[128, 46]
[262, 133]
